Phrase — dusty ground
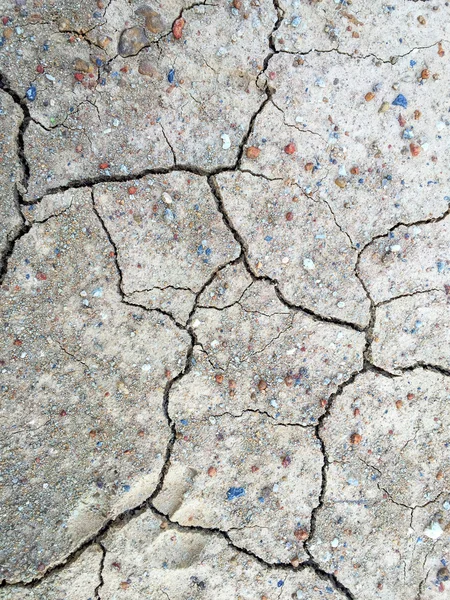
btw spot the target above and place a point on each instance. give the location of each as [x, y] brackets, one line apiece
[225, 349]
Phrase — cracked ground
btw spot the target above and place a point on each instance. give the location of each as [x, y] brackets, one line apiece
[225, 290]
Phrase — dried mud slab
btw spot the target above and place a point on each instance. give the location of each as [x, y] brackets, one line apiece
[249, 476]
[408, 260]
[149, 557]
[78, 580]
[260, 355]
[362, 27]
[293, 239]
[412, 330]
[385, 516]
[80, 372]
[172, 102]
[375, 149]
[10, 171]
[170, 238]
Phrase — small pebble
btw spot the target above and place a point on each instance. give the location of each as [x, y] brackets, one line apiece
[154, 23]
[146, 68]
[177, 28]
[355, 438]
[262, 385]
[132, 41]
[301, 534]
[369, 96]
[31, 93]
[83, 66]
[226, 142]
[415, 149]
[290, 148]
[235, 492]
[252, 152]
[400, 100]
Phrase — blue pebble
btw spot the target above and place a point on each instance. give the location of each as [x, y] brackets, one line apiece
[280, 583]
[400, 101]
[412, 63]
[184, 421]
[126, 488]
[200, 250]
[31, 93]
[208, 251]
[171, 76]
[268, 238]
[234, 492]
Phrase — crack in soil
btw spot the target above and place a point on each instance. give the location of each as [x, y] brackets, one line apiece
[98, 536]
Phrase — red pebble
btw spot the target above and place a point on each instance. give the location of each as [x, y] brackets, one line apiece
[103, 166]
[41, 276]
[132, 190]
[290, 148]
[177, 28]
[415, 149]
[5, 20]
[40, 69]
[79, 76]
[286, 461]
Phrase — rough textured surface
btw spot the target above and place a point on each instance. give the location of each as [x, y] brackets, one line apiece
[249, 476]
[10, 171]
[78, 580]
[362, 27]
[148, 556]
[412, 330]
[408, 260]
[224, 300]
[258, 354]
[168, 232]
[387, 484]
[295, 241]
[70, 391]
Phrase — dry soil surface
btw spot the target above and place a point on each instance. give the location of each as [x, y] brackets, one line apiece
[224, 300]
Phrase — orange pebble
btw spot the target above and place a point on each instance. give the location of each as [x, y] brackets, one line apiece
[290, 148]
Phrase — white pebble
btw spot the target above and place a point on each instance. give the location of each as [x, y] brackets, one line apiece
[226, 142]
